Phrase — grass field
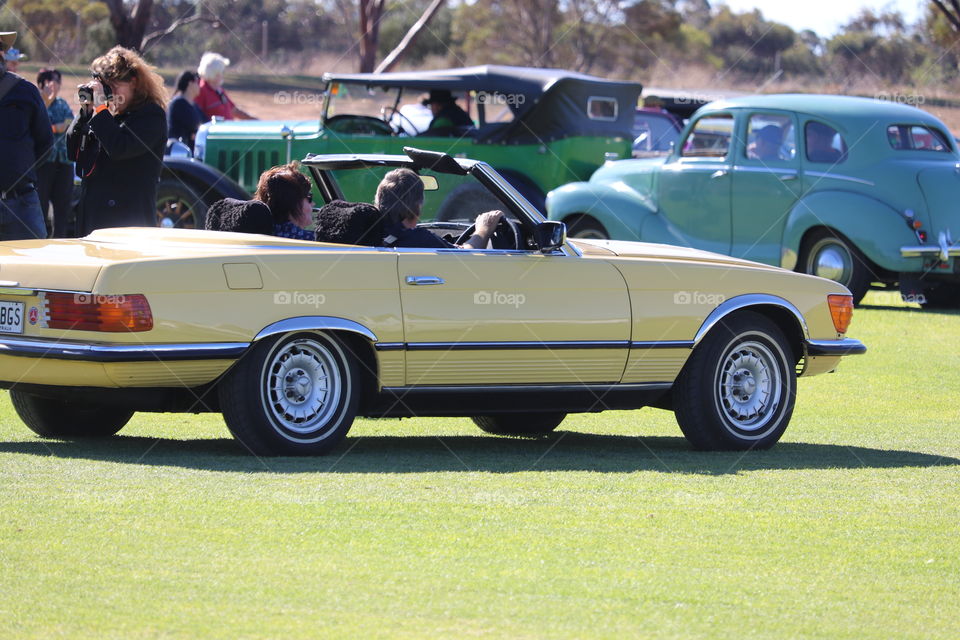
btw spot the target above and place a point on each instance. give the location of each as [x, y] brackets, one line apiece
[849, 528]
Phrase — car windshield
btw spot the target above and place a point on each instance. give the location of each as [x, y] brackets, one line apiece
[654, 132]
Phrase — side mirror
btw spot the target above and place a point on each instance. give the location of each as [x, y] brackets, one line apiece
[550, 235]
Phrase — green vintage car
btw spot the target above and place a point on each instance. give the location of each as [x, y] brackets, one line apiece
[540, 128]
[856, 190]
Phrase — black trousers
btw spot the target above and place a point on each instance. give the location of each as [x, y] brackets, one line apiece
[55, 185]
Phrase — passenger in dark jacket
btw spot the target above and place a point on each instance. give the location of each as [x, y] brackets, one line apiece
[119, 148]
[25, 139]
[183, 115]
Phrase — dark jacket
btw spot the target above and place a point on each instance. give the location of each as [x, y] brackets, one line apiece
[25, 133]
[183, 120]
[416, 238]
[119, 159]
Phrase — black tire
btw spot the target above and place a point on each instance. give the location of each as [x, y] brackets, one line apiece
[307, 419]
[738, 388]
[582, 226]
[52, 418]
[179, 206]
[528, 425]
[465, 202]
[944, 297]
[830, 255]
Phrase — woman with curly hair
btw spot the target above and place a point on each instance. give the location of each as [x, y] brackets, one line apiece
[118, 142]
[287, 193]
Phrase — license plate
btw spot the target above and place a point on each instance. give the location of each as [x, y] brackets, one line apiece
[11, 317]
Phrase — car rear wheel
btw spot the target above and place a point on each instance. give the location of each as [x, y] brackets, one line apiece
[179, 206]
[52, 418]
[291, 395]
[737, 390]
[586, 227]
[527, 425]
[831, 256]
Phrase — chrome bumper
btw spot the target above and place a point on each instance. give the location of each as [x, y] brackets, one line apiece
[945, 249]
[62, 350]
[844, 347]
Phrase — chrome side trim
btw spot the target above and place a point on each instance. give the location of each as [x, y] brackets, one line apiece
[314, 323]
[482, 346]
[837, 176]
[389, 346]
[424, 280]
[528, 388]
[920, 250]
[843, 347]
[742, 302]
[771, 169]
[663, 344]
[59, 350]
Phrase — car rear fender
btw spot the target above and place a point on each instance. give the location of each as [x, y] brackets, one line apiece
[618, 208]
[876, 228]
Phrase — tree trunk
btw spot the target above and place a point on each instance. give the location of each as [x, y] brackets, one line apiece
[411, 36]
[371, 11]
[130, 27]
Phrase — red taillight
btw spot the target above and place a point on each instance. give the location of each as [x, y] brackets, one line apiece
[92, 312]
[841, 310]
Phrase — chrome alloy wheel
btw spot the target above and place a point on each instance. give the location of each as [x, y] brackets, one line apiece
[301, 389]
[833, 262]
[748, 385]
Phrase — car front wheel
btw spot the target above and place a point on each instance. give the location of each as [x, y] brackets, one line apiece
[52, 418]
[737, 389]
[291, 395]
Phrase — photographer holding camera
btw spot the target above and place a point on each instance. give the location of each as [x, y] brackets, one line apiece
[118, 141]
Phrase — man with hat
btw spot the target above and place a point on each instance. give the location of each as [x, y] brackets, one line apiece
[26, 137]
[447, 114]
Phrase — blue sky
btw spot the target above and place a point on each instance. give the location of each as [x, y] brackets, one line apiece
[823, 16]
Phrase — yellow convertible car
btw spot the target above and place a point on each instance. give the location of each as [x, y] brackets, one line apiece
[291, 340]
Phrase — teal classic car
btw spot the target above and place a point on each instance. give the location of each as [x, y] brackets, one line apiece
[856, 190]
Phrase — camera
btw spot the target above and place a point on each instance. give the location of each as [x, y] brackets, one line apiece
[85, 91]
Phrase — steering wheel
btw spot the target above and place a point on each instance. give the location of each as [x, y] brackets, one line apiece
[387, 113]
[506, 236]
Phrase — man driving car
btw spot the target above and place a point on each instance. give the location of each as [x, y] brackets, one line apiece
[400, 199]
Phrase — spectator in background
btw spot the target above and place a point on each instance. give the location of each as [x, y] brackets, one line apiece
[448, 117]
[26, 137]
[213, 99]
[119, 148]
[287, 192]
[55, 173]
[13, 57]
[183, 115]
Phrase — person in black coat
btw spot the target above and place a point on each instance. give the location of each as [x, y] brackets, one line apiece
[183, 115]
[118, 142]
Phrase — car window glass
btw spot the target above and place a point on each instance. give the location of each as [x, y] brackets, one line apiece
[653, 131]
[824, 143]
[709, 138]
[770, 138]
[599, 108]
[916, 137]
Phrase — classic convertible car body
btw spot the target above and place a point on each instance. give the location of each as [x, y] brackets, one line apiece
[291, 339]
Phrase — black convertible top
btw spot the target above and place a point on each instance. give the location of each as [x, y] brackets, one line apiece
[546, 103]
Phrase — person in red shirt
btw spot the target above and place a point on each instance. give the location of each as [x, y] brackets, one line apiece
[213, 99]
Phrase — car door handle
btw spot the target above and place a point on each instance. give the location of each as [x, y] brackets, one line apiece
[787, 176]
[422, 280]
[719, 173]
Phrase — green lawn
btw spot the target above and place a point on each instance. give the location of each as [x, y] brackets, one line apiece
[849, 528]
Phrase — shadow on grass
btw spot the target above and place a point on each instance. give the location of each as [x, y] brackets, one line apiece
[562, 451]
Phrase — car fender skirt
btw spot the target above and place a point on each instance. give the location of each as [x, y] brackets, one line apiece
[315, 323]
